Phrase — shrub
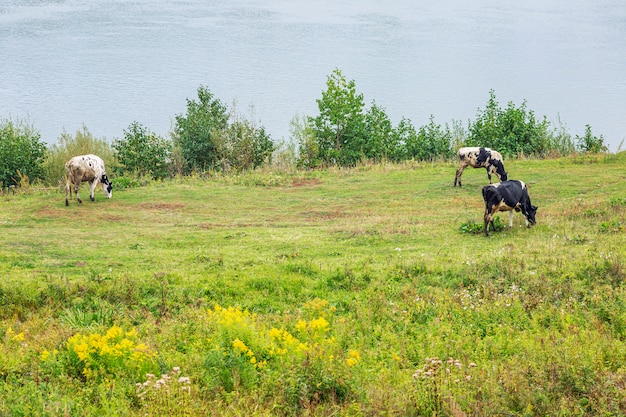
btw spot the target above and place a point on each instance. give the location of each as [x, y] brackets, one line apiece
[142, 152]
[512, 131]
[197, 131]
[304, 365]
[430, 142]
[590, 143]
[21, 153]
[115, 353]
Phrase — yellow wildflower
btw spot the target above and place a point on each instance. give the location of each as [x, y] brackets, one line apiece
[319, 324]
[45, 355]
[239, 345]
[275, 333]
[301, 325]
[114, 333]
[353, 358]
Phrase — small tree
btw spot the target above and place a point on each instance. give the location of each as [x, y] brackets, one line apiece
[21, 153]
[512, 131]
[590, 143]
[303, 134]
[340, 128]
[431, 142]
[405, 136]
[143, 152]
[196, 132]
[380, 141]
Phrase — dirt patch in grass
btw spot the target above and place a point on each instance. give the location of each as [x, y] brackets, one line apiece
[305, 182]
[162, 206]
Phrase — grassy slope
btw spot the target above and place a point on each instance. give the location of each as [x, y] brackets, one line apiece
[382, 243]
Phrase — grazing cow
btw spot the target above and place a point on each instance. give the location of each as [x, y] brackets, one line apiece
[88, 168]
[480, 158]
[507, 196]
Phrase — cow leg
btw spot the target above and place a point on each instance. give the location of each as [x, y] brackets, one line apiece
[511, 219]
[68, 191]
[488, 175]
[76, 192]
[488, 219]
[92, 190]
[459, 172]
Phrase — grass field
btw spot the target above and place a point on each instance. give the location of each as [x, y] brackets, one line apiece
[366, 291]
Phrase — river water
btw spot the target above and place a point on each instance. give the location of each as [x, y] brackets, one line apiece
[106, 63]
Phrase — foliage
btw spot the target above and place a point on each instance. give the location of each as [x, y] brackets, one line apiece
[474, 227]
[21, 153]
[340, 127]
[121, 183]
[196, 133]
[381, 143]
[68, 146]
[242, 145]
[209, 138]
[303, 135]
[243, 352]
[430, 142]
[512, 131]
[590, 143]
[142, 152]
[114, 353]
[345, 133]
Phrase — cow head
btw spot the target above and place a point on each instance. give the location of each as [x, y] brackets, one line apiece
[530, 214]
[107, 187]
[499, 169]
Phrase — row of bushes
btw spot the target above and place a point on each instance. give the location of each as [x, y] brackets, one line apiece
[210, 136]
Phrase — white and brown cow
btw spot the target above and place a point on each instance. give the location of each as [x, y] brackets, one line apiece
[507, 196]
[480, 158]
[86, 168]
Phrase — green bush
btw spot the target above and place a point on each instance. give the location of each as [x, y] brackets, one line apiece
[142, 152]
[197, 131]
[21, 153]
[590, 143]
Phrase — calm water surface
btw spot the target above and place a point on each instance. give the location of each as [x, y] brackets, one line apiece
[106, 63]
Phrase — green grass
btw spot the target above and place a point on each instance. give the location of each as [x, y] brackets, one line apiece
[386, 254]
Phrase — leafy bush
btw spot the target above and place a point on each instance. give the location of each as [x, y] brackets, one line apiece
[512, 131]
[115, 353]
[242, 145]
[305, 365]
[430, 142]
[474, 227]
[381, 142]
[21, 153]
[590, 143]
[142, 152]
[121, 183]
[197, 131]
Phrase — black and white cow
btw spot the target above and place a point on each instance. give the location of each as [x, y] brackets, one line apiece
[480, 158]
[507, 196]
[86, 168]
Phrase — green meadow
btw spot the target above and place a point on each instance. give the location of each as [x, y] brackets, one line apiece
[355, 292]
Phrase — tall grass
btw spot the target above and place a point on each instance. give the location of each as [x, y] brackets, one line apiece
[332, 292]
